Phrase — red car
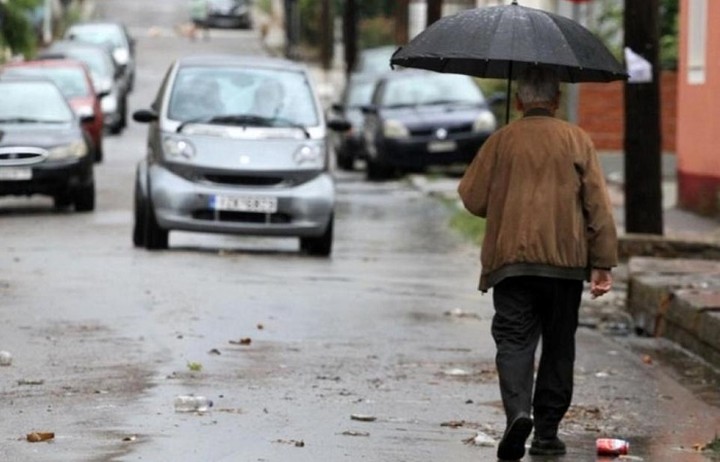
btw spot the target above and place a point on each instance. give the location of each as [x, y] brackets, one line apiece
[75, 83]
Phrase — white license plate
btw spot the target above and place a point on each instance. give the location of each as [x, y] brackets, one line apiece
[15, 173]
[258, 204]
[442, 146]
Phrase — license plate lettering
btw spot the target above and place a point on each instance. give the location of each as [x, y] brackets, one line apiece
[15, 173]
[442, 146]
[257, 204]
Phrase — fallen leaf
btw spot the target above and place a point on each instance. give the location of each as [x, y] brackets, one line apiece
[36, 437]
[363, 418]
[354, 433]
[453, 424]
[242, 341]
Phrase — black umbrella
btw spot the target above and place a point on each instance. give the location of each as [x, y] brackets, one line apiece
[501, 41]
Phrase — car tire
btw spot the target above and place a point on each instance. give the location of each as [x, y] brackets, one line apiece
[320, 246]
[156, 238]
[124, 112]
[346, 162]
[377, 171]
[84, 198]
[62, 200]
[140, 225]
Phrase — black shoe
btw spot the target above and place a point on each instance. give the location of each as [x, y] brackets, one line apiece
[547, 447]
[512, 444]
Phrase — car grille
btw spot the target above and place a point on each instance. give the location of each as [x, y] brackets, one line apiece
[430, 131]
[241, 217]
[22, 155]
[244, 180]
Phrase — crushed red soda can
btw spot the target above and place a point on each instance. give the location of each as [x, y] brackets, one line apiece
[611, 447]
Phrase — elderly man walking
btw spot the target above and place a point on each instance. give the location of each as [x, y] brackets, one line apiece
[549, 227]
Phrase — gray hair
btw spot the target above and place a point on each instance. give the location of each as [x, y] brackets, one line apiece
[538, 85]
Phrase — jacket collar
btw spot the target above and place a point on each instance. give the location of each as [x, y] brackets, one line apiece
[538, 111]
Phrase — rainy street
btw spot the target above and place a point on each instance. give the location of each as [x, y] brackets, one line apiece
[380, 353]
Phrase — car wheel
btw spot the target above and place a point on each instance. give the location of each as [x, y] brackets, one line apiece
[140, 225]
[319, 246]
[62, 200]
[99, 153]
[156, 238]
[346, 162]
[84, 198]
[376, 171]
[124, 112]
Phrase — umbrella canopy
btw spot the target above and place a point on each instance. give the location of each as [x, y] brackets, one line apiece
[499, 42]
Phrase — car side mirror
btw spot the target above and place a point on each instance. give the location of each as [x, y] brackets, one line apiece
[103, 94]
[145, 116]
[337, 107]
[85, 119]
[339, 125]
[369, 109]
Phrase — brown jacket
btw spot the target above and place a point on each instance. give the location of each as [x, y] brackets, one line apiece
[540, 186]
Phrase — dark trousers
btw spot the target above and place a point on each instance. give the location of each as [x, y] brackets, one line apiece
[526, 309]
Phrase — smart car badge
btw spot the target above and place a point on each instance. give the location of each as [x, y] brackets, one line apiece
[441, 133]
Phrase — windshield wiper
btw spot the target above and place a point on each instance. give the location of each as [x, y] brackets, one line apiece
[246, 120]
[28, 120]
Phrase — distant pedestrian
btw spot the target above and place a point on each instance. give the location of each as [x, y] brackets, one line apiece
[549, 227]
[199, 17]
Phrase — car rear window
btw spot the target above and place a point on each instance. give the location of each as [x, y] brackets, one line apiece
[418, 89]
[33, 101]
[71, 81]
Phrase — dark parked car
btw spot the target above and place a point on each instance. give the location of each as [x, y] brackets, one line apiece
[229, 13]
[43, 149]
[116, 38]
[74, 81]
[418, 119]
[357, 93]
[236, 144]
[107, 77]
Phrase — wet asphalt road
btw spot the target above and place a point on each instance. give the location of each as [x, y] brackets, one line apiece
[102, 333]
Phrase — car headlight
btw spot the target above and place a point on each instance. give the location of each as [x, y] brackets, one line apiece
[85, 111]
[121, 56]
[395, 129]
[485, 122]
[74, 150]
[309, 155]
[178, 147]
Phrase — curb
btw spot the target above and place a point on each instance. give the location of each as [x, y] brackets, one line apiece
[677, 299]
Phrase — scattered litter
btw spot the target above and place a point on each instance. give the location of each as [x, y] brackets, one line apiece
[456, 372]
[602, 374]
[36, 437]
[260, 327]
[453, 424]
[458, 313]
[611, 447]
[30, 382]
[194, 366]
[626, 457]
[214, 351]
[242, 341]
[363, 417]
[130, 438]
[354, 433]
[481, 439]
[5, 358]
[190, 403]
[647, 359]
[296, 443]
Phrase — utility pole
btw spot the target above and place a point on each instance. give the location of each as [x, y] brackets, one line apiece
[402, 35]
[643, 141]
[350, 35]
[434, 11]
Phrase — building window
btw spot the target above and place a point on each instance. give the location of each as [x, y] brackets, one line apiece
[697, 41]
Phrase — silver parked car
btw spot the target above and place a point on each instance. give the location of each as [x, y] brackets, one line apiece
[236, 145]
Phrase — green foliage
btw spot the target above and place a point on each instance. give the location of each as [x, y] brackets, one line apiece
[16, 31]
[265, 6]
[377, 31]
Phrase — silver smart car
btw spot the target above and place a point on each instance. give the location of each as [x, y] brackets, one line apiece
[236, 145]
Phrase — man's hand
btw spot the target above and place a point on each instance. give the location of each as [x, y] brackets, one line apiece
[600, 282]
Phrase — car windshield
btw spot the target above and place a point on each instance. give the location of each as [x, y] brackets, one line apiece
[28, 102]
[100, 34]
[241, 95]
[70, 80]
[360, 93]
[421, 89]
[98, 61]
